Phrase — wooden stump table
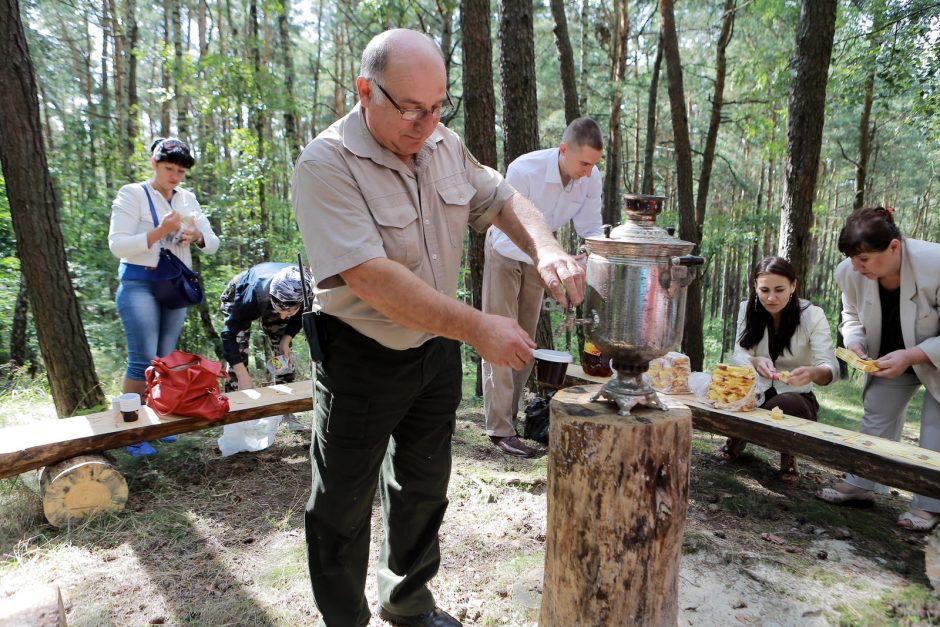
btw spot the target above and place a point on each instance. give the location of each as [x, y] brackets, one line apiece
[618, 492]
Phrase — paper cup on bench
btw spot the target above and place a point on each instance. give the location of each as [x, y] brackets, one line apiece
[551, 367]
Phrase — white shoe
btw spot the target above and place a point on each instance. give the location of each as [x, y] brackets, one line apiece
[293, 424]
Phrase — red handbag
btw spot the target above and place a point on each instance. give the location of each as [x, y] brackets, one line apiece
[186, 385]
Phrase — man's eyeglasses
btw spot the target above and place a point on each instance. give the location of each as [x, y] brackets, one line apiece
[416, 115]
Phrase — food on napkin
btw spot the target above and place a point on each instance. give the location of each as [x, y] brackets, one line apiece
[669, 374]
[733, 387]
[852, 359]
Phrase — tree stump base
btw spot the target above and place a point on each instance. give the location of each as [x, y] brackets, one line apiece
[618, 490]
[79, 487]
[38, 607]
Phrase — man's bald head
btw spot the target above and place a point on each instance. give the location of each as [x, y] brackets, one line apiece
[399, 42]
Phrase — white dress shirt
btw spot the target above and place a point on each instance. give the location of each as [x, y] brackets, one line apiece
[535, 175]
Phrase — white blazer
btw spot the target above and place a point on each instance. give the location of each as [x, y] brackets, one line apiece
[920, 312]
[811, 345]
[131, 221]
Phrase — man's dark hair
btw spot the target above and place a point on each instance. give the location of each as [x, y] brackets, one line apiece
[583, 132]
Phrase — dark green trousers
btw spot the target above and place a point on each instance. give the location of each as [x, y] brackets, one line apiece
[383, 418]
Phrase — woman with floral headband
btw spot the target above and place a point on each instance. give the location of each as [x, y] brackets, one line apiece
[891, 314]
[146, 217]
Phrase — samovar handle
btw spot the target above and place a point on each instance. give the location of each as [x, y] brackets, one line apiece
[687, 260]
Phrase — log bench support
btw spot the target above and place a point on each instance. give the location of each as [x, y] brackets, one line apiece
[76, 482]
[618, 489]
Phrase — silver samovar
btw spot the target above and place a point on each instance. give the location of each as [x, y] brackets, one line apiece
[635, 298]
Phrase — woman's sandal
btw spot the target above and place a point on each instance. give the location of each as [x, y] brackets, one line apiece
[837, 497]
[730, 450]
[915, 522]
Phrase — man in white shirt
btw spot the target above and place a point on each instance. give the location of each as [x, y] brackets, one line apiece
[564, 184]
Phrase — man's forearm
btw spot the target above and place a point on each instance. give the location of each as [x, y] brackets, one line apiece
[526, 227]
[382, 282]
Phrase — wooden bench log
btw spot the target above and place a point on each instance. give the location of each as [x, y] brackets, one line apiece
[40, 607]
[31, 446]
[81, 486]
[618, 492]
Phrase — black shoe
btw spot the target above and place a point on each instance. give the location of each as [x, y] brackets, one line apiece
[434, 618]
[512, 445]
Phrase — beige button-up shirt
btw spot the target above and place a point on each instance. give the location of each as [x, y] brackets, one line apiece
[355, 200]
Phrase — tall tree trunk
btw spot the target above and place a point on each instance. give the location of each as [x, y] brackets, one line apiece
[517, 79]
[520, 104]
[34, 210]
[650, 149]
[165, 129]
[714, 122]
[257, 116]
[18, 327]
[105, 99]
[314, 127]
[130, 50]
[479, 130]
[807, 106]
[291, 121]
[179, 72]
[689, 230]
[569, 86]
[864, 124]
[620, 30]
[583, 54]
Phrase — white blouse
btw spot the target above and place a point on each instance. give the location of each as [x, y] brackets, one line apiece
[811, 345]
[131, 221]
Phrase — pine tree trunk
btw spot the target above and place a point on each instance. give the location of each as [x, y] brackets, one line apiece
[807, 107]
[131, 129]
[34, 210]
[165, 76]
[650, 150]
[479, 130]
[620, 29]
[291, 122]
[569, 86]
[18, 327]
[689, 229]
[517, 78]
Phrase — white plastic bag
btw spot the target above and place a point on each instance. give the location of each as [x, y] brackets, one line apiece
[248, 436]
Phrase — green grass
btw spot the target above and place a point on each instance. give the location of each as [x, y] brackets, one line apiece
[840, 405]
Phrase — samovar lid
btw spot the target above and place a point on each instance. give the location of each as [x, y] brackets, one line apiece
[639, 236]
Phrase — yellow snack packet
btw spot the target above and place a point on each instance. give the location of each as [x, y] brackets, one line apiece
[852, 359]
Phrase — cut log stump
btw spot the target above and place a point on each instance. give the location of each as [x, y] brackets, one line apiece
[618, 490]
[79, 487]
[37, 607]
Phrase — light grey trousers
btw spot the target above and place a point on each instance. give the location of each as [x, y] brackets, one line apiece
[512, 289]
[885, 402]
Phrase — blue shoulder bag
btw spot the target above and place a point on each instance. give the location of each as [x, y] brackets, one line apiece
[174, 284]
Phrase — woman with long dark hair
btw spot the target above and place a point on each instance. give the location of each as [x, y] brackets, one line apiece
[890, 313]
[788, 342]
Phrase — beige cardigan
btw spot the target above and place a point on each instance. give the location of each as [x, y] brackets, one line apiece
[811, 345]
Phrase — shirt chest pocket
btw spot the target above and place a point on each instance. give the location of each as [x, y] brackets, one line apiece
[397, 222]
[455, 199]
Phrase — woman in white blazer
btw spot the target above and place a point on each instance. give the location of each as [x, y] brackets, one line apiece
[890, 287]
[788, 342]
[149, 328]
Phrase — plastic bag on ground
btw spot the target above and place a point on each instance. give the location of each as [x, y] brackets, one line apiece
[536, 419]
[248, 436]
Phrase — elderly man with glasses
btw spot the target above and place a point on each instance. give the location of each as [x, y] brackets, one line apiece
[383, 199]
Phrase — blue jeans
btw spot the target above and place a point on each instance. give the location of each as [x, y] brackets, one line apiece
[151, 330]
